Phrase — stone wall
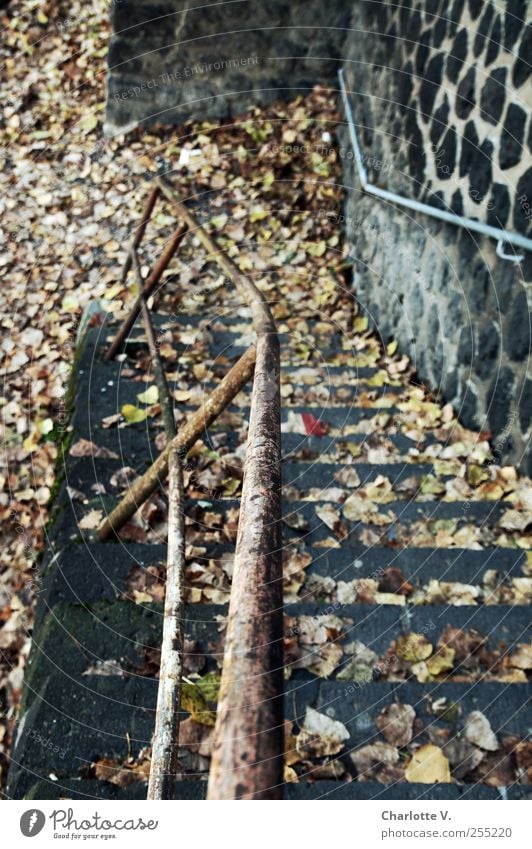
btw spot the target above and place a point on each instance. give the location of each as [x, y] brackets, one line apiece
[170, 60]
[442, 96]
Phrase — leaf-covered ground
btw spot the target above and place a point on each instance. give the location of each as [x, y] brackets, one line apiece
[270, 183]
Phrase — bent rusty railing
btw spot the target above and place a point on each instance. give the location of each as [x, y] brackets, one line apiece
[248, 735]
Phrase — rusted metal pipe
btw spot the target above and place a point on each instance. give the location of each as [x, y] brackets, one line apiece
[165, 398]
[263, 322]
[139, 232]
[248, 737]
[149, 285]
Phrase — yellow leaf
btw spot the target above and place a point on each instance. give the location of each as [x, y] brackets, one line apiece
[88, 123]
[151, 396]
[46, 426]
[258, 214]
[290, 775]
[391, 348]
[141, 597]
[431, 486]
[31, 442]
[245, 263]
[70, 303]
[133, 414]
[360, 324]
[428, 766]
[318, 249]
[442, 661]
[413, 647]
[199, 696]
[230, 487]
[112, 292]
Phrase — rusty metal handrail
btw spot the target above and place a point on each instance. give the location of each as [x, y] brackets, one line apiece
[248, 736]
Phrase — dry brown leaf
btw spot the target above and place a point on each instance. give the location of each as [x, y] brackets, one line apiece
[296, 521]
[396, 724]
[85, 448]
[357, 508]
[462, 755]
[515, 520]
[464, 643]
[91, 520]
[522, 656]
[368, 758]
[347, 477]
[393, 581]
[331, 518]
[478, 731]
[123, 477]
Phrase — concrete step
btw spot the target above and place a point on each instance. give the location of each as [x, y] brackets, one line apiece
[114, 393]
[303, 790]
[89, 571]
[136, 442]
[322, 477]
[507, 708]
[84, 708]
[378, 627]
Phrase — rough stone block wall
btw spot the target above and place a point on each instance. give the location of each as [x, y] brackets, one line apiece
[171, 60]
[442, 95]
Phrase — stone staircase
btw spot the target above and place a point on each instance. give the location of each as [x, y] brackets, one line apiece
[376, 619]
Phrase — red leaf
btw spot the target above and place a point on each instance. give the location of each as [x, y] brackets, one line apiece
[313, 427]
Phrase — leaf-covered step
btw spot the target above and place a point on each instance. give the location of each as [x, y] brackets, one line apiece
[506, 708]
[93, 480]
[226, 318]
[188, 390]
[133, 443]
[309, 376]
[423, 576]
[317, 481]
[88, 572]
[407, 523]
[221, 342]
[241, 324]
[310, 522]
[356, 643]
[108, 408]
[408, 732]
